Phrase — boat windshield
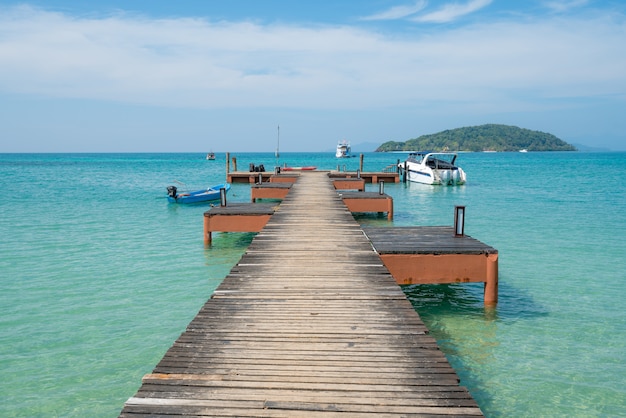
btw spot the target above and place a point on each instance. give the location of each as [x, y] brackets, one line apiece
[433, 159]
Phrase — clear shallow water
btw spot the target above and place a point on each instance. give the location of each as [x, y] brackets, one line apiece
[100, 275]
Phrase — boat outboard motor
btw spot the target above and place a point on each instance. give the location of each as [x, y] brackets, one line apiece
[171, 191]
[252, 167]
[261, 168]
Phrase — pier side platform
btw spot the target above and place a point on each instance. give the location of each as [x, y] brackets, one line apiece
[433, 254]
[236, 217]
[349, 184]
[368, 202]
[271, 190]
[368, 176]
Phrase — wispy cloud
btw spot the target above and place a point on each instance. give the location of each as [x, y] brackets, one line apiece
[452, 11]
[398, 12]
[199, 63]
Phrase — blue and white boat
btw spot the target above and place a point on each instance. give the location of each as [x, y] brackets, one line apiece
[433, 168]
[204, 195]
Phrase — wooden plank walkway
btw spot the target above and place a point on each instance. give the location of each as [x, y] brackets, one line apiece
[309, 323]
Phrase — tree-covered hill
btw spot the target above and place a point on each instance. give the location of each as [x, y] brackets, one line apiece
[489, 137]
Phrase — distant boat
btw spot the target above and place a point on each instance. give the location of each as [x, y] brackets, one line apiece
[433, 168]
[210, 156]
[523, 150]
[343, 149]
[204, 195]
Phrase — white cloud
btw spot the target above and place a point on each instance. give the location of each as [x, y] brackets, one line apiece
[197, 63]
[452, 11]
[398, 12]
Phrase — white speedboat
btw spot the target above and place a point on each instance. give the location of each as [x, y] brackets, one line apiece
[433, 168]
[343, 149]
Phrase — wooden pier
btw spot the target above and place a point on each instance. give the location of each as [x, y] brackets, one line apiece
[309, 323]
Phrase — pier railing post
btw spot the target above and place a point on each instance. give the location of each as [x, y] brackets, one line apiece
[459, 221]
[222, 197]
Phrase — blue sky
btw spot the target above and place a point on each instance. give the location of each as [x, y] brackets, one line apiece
[193, 76]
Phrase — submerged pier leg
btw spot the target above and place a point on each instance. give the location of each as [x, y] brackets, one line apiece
[491, 282]
[207, 230]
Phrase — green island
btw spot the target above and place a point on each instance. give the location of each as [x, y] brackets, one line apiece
[489, 137]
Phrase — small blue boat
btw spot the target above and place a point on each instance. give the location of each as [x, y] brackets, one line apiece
[205, 195]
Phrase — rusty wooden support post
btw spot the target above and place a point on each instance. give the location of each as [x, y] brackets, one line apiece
[491, 281]
[207, 230]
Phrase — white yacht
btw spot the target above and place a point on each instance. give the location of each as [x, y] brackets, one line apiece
[433, 168]
[343, 149]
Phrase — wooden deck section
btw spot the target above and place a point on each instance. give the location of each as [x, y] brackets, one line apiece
[248, 176]
[269, 190]
[349, 184]
[368, 202]
[431, 254]
[309, 323]
[284, 178]
[236, 217]
[368, 176]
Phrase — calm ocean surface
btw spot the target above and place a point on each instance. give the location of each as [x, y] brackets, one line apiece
[100, 274]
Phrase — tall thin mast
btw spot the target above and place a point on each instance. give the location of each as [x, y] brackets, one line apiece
[278, 142]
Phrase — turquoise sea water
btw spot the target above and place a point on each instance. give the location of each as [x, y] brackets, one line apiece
[100, 274]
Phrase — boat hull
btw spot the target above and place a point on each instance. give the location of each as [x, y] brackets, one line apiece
[206, 195]
[343, 150]
[433, 169]
[442, 177]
